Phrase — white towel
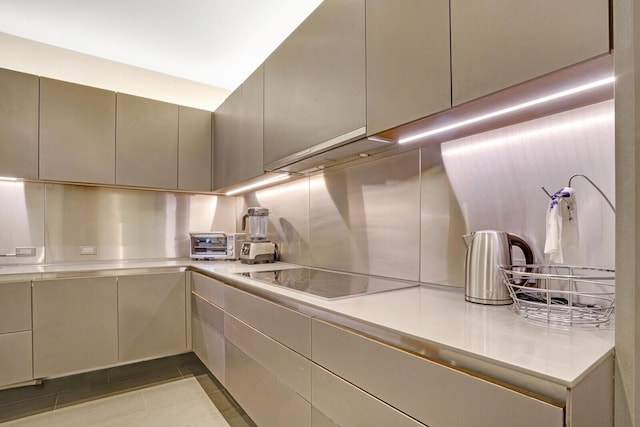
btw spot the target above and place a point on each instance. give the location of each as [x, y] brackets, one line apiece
[562, 224]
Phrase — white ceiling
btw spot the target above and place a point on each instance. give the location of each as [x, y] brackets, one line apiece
[216, 42]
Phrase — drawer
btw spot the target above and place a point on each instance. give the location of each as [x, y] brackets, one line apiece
[430, 392]
[208, 288]
[15, 307]
[286, 326]
[15, 358]
[338, 403]
[288, 366]
[208, 313]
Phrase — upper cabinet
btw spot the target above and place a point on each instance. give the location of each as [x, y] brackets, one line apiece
[238, 134]
[314, 82]
[194, 149]
[496, 44]
[408, 67]
[77, 133]
[18, 124]
[146, 143]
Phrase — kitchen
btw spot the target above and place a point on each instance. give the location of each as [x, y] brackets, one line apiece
[340, 220]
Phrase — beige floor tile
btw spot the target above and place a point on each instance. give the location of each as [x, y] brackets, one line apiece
[172, 393]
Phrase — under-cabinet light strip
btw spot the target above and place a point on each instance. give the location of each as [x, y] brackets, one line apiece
[261, 183]
[511, 109]
[8, 178]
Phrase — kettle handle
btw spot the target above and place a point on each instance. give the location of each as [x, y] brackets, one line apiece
[518, 241]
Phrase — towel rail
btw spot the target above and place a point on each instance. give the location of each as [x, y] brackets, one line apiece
[590, 182]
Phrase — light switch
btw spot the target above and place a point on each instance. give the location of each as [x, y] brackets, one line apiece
[88, 250]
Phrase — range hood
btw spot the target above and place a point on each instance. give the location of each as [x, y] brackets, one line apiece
[342, 149]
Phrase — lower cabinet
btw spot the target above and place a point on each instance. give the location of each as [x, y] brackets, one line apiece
[207, 335]
[16, 363]
[151, 315]
[75, 325]
[263, 376]
[338, 403]
[429, 392]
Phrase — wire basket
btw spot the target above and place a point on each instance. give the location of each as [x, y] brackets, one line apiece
[561, 294]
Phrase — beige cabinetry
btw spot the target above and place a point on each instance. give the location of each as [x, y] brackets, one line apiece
[151, 315]
[75, 325]
[338, 403]
[496, 44]
[19, 94]
[408, 61]
[146, 142]
[414, 385]
[314, 82]
[207, 323]
[15, 333]
[238, 147]
[194, 149]
[77, 133]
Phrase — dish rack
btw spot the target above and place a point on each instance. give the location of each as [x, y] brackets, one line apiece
[561, 294]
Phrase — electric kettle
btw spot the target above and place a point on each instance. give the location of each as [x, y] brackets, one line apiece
[487, 250]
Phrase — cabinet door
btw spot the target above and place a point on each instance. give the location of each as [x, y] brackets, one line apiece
[194, 154]
[16, 364]
[75, 325]
[18, 124]
[151, 315]
[408, 61]
[268, 401]
[336, 402]
[146, 142]
[238, 134]
[314, 82]
[15, 307]
[77, 133]
[207, 335]
[496, 44]
[415, 384]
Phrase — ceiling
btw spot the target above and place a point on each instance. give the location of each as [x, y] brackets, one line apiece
[216, 42]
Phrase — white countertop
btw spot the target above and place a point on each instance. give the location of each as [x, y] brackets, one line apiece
[433, 314]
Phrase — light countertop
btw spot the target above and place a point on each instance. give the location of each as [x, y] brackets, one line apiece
[434, 315]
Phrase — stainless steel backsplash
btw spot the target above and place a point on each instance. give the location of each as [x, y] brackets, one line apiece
[401, 216]
[58, 220]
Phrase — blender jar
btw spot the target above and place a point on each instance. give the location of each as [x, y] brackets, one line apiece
[258, 219]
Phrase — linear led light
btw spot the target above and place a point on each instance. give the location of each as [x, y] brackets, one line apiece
[8, 178]
[257, 184]
[511, 109]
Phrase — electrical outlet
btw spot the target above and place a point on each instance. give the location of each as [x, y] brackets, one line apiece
[88, 250]
[27, 251]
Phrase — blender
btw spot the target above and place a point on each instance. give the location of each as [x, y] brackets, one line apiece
[258, 249]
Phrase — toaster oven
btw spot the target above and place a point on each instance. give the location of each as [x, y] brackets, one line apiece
[216, 245]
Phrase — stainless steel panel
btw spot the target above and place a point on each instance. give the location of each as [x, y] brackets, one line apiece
[21, 220]
[366, 218]
[442, 250]
[497, 176]
[128, 224]
[288, 217]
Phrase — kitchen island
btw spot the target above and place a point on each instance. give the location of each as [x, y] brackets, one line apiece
[419, 325]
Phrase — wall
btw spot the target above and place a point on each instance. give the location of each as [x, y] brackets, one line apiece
[45, 60]
[404, 216]
[122, 224]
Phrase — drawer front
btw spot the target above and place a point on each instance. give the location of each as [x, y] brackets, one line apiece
[15, 307]
[208, 288]
[288, 366]
[427, 391]
[208, 345]
[15, 358]
[336, 402]
[267, 400]
[282, 324]
[208, 313]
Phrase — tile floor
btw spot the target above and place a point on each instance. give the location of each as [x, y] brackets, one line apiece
[172, 391]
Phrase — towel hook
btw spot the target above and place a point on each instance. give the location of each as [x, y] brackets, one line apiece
[590, 182]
